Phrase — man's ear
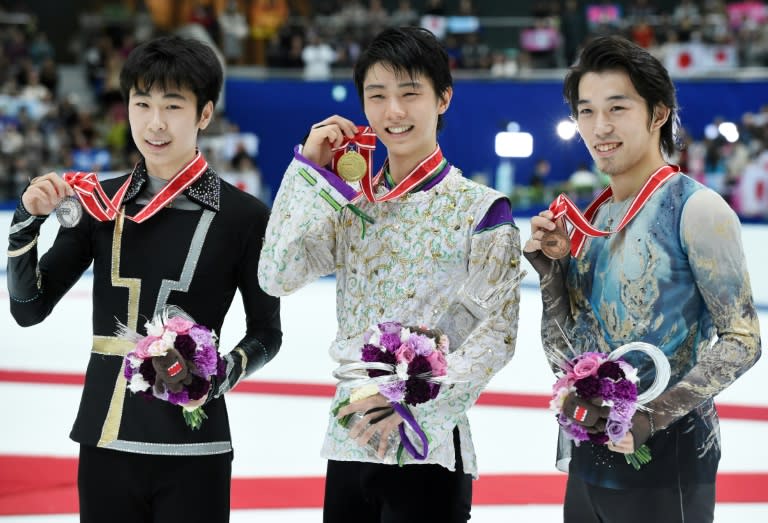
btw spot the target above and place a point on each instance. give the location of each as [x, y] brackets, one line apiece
[444, 101]
[206, 115]
[660, 116]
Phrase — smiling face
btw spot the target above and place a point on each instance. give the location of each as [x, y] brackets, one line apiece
[164, 126]
[614, 123]
[403, 110]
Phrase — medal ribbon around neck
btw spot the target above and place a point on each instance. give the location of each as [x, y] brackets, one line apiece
[103, 209]
[364, 141]
[562, 206]
[423, 171]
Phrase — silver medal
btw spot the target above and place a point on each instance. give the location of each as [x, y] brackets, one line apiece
[69, 211]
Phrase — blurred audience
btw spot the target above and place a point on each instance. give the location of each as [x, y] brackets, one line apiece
[42, 130]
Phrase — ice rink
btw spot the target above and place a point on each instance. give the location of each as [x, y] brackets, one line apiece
[279, 415]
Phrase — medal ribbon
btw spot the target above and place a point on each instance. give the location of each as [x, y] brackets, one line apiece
[364, 141]
[562, 206]
[419, 174]
[87, 188]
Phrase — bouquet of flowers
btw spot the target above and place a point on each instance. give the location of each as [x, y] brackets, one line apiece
[610, 384]
[404, 364]
[174, 362]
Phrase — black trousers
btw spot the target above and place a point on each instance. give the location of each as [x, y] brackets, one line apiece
[124, 487]
[358, 492]
[585, 503]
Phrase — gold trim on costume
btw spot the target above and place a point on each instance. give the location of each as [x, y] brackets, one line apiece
[243, 363]
[111, 346]
[111, 426]
[23, 250]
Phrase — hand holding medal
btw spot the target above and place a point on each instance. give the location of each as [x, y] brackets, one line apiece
[353, 159]
[557, 243]
[51, 193]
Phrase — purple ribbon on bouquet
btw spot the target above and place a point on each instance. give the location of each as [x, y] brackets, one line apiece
[410, 420]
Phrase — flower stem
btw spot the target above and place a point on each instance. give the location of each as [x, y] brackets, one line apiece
[640, 457]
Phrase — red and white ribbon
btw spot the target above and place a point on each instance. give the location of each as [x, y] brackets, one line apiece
[103, 208]
[562, 206]
[423, 171]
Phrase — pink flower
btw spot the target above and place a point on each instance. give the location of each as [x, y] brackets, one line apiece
[563, 383]
[587, 365]
[178, 325]
[405, 353]
[438, 363]
[142, 347]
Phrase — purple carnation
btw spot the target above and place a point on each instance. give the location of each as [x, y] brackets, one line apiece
[221, 368]
[434, 389]
[416, 391]
[394, 391]
[422, 345]
[372, 353]
[625, 390]
[178, 398]
[200, 334]
[390, 327]
[206, 360]
[128, 371]
[419, 365]
[391, 341]
[198, 388]
[622, 410]
[573, 431]
[601, 438]
[588, 387]
[185, 345]
[148, 371]
[610, 369]
[606, 388]
[384, 357]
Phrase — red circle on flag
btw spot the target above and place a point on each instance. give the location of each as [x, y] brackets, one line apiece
[684, 60]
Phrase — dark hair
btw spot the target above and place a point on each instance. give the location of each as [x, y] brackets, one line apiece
[647, 74]
[409, 50]
[174, 62]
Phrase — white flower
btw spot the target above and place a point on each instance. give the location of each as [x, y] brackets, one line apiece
[154, 328]
[158, 348]
[375, 338]
[556, 403]
[169, 337]
[630, 372]
[135, 361]
[405, 334]
[138, 383]
[402, 370]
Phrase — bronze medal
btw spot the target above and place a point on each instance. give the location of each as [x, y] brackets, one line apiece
[351, 166]
[555, 244]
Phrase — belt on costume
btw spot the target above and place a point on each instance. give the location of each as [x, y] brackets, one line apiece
[111, 346]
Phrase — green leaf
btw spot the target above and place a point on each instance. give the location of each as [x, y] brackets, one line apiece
[335, 411]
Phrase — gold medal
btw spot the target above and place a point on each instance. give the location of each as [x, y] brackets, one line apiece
[555, 244]
[351, 166]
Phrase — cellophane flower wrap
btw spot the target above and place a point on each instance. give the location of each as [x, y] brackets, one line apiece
[415, 366]
[174, 362]
[604, 382]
